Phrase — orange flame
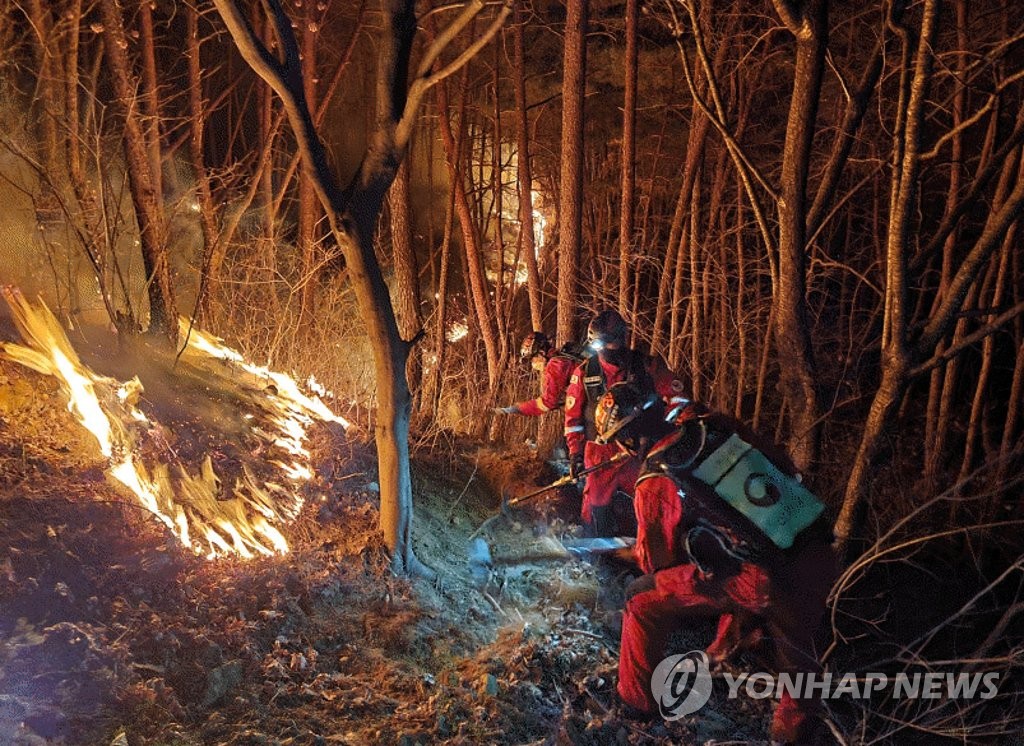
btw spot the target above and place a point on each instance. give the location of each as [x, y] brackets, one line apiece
[188, 504]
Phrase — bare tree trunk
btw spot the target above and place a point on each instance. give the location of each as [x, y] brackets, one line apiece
[470, 241]
[268, 133]
[527, 240]
[695, 306]
[943, 378]
[309, 211]
[895, 352]
[150, 97]
[497, 204]
[665, 278]
[442, 303]
[208, 285]
[978, 413]
[696, 140]
[353, 214]
[898, 354]
[627, 212]
[808, 22]
[39, 15]
[741, 315]
[570, 212]
[684, 294]
[71, 108]
[163, 321]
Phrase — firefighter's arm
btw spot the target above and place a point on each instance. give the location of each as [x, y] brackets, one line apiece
[554, 382]
[552, 389]
[532, 407]
[575, 430]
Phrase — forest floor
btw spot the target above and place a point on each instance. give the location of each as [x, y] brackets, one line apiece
[112, 633]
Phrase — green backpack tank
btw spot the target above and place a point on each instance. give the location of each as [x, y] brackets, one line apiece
[776, 503]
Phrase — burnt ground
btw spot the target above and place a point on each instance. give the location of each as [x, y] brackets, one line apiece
[112, 633]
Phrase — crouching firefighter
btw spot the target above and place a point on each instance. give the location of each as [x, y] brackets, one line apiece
[725, 530]
[555, 367]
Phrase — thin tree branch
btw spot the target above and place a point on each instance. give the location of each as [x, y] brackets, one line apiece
[438, 45]
[856, 108]
[264, 63]
[971, 120]
[287, 86]
[291, 65]
[424, 83]
[995, 229]
[978, 186]
[993, 326]
[718, 116]
[743, 166]
[321, 111]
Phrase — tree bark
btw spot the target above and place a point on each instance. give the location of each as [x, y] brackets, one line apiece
[197, 115]
[163, 320]
[798, 376]
[39, 14]
[627, 211]
[570, 212]
[696, 139]
[478, 286]
[309, 210]
[407, 291]
[896, 353]
[978, 402]
[150, 97]
[942, 378]
[527, 239]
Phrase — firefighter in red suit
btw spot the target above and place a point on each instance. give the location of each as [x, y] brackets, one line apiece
[555, 366]
[613, 362]
[704, 558]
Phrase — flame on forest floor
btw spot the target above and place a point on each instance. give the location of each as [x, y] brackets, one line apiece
[191, 505]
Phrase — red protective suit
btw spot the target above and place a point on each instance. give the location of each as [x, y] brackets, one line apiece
[601, 485]
[782, 593]
[554, 381]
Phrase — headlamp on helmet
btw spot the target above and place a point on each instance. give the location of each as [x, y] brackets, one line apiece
[608, 328]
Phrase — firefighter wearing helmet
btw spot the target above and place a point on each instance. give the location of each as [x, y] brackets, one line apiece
[612, 361]
[725, 529]
[555, 368]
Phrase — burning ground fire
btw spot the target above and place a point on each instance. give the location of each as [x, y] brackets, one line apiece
[211, 516]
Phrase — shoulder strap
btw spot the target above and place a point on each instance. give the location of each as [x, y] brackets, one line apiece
[593, 379]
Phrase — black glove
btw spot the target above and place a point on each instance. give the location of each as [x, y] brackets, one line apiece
[575, 465]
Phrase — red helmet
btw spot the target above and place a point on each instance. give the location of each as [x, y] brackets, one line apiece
[535, 343]
[606, 328]
[619, 412]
